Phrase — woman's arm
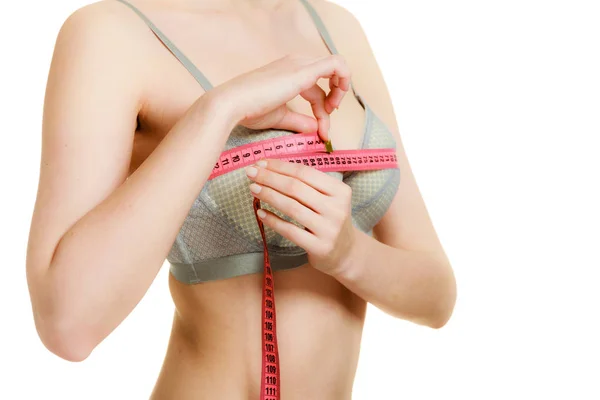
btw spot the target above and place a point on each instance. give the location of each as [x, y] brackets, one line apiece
[97, 239]
[407, 272]
[415, 285]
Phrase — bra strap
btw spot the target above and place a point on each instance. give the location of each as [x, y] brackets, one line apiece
[328, 41]
[189, 65]
[320, 26]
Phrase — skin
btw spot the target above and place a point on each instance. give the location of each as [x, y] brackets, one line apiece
[97, 240]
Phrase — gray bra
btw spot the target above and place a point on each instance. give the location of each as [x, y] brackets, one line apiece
[220, 238]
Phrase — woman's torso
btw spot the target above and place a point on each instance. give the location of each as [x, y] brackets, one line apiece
[214, 350]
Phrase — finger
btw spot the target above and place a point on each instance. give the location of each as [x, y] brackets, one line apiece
[334, 98]
[316, 97]
[336, 69]
[334, 81]
[301, 237]
[288, 206]
[334, 66]
[292, 188]
[330, 105]
[318, 180]
[327, 67]
[296, 122]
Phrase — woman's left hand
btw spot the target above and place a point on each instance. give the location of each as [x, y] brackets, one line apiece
[314, 199]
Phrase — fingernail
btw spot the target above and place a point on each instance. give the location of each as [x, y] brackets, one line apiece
[254, 188]
[261, 213]
[251, 171]
[261, 163]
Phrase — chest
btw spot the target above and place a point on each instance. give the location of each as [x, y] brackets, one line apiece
[241, 45]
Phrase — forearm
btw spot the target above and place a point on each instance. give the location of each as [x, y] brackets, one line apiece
[107, 260]
[412, 285]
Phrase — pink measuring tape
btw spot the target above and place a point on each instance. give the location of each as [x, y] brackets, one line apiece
[308, 149]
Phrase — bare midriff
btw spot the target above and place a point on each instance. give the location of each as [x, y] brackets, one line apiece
[215, 347]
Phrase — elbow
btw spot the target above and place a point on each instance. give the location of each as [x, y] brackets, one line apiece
[439, 321]
[65, 337]
[59, 321]
[443, 307]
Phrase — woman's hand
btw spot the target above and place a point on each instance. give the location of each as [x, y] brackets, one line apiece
[257, 99]
[321, 203]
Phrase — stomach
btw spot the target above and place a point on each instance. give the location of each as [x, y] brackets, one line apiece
[214, 351]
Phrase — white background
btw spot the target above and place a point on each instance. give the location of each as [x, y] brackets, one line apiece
[498, 104]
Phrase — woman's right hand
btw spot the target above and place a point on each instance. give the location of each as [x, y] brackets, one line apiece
[257, 99]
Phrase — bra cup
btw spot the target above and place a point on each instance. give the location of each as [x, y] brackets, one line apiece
[204, 235]
[373, 191]
[372, 195]
[228, 196]
[379, 135]
[221, 221]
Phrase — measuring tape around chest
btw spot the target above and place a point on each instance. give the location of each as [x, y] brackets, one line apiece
[307, 149]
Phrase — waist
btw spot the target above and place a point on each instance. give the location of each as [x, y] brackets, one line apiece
[215, 346]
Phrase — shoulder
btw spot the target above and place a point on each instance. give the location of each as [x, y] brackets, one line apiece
[104, 42]
[102, 17]
[106, 28]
